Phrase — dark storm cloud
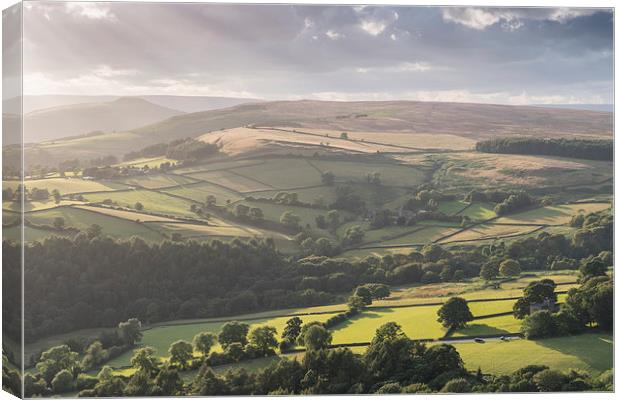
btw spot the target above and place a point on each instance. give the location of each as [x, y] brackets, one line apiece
[286, 51]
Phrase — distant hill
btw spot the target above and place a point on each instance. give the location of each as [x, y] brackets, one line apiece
[463, 119]
[588, 107]
[182, 103]
[78, 119]
[191, 104]
[472, 121]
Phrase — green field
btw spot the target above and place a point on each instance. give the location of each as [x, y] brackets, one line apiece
[316, 195]
[231, 180]
[452, 207]
[273, 212]
[36, 205]
[199, 193]
[490, 307]
[161, 337]
[479, 211]
[390, 174]
[425, 234]
[68, 185]
[553, 215]
[490, 231]
[590, 352]
[155, 181]
[490, 326]
[82, 219]
[272, 173]
[152, 201]
[417, 323]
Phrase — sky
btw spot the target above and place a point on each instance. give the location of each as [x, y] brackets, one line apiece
[289, 52]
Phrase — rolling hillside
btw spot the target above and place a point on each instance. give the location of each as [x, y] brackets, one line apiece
[79, 119]
[471, 121]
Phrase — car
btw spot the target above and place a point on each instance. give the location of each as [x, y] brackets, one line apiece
[502, 338]
[479, 340]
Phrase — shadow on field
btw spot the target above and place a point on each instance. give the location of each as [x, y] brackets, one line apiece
[364, 315]
[479, 329]
[594, 349]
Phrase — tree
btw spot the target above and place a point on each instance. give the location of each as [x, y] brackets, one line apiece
[211, 201]
[454, 313]
[180, 352]
[62, 382]
[489, 271]
[333, 219]
[143, 359]
[203, 342]
[130, 331]
[57, 196]
[55, 360]
[510, 267]
[316, 337]
[94, 355]
[356, 303]
[344, 135]
[290, 220]
[434, 252]
[59, 223]
[93, 231]
[207, 383]
[321, 223]
[364, 293]
[256, 214]
[242, 211]
[264, 339]
[540, 324]
[233, 332]
[327, 178]
[458, 385]
[549, 380]
[354, 234]
[592, 267]
[138, 206]
[292, 329]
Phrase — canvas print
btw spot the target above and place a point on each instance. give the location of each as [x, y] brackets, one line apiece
[294, 199]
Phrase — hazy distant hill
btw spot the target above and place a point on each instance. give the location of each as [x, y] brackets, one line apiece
[181, 103]
[589, 107]
[474, 121]
[192, 104]
[78, 119]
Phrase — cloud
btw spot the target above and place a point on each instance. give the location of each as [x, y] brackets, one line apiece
[511, 18]
[90, 11]
[278, 51]
[333, 35]
[374, 21]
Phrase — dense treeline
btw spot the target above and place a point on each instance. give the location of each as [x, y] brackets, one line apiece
[95, 281]
[180, 149]
[589, 149]
[392, 363]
